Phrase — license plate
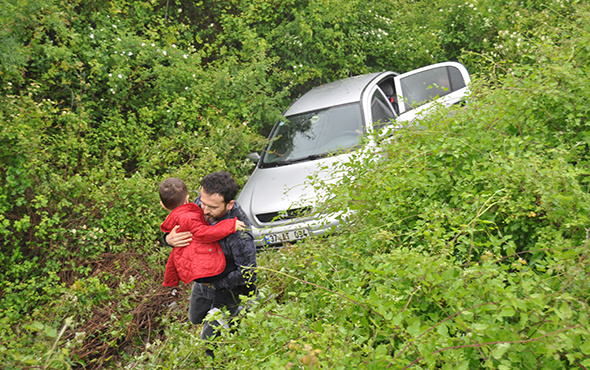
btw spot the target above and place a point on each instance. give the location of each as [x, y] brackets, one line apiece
[288, 236]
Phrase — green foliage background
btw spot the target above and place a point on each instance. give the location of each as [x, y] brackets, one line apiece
[469, 247]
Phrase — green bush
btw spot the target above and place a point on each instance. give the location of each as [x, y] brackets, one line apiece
[468, 246]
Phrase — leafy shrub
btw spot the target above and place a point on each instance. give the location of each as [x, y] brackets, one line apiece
[469, 245]
[101, 119]
[486, 210]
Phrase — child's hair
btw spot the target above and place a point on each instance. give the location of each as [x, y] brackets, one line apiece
[173, 192]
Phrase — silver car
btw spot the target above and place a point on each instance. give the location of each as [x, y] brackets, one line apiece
[322, 129]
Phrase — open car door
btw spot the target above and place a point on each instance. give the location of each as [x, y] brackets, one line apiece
[446, 83]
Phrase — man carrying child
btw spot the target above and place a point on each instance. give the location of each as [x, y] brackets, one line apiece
[218, 191]
[202, 260]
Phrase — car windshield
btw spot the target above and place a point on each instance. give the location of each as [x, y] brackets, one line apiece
[311, 135]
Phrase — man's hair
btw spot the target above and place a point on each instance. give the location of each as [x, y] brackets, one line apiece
[221, 183]
[173, 192]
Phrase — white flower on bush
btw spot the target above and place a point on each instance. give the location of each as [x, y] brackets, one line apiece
[120, 75]
[91, 36]
[164, 52]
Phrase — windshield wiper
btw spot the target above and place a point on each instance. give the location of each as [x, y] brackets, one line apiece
[296, 160]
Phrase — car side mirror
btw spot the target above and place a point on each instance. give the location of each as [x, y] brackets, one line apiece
[254, 157]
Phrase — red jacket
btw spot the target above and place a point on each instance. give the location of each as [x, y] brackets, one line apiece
[203, 257]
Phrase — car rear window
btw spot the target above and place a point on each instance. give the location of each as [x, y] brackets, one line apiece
[422, 87]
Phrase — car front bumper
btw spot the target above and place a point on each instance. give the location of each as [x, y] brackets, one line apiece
[280, 233]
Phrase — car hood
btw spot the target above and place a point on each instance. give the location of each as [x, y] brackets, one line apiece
[282, 188]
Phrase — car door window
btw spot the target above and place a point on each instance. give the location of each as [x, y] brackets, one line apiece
[425, 84]
[381, 111]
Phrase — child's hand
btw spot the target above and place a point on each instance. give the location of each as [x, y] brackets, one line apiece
[240, 225]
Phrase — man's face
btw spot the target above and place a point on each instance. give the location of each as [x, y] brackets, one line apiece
[214, 207]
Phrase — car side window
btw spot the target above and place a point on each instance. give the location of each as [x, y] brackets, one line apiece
[420, 88]
[381, 112]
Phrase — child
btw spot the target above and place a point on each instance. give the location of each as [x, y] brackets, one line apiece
[203, 257]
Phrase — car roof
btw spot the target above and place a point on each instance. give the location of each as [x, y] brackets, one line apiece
[348, 90]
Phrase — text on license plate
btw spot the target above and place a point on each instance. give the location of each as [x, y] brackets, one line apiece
[288, 236]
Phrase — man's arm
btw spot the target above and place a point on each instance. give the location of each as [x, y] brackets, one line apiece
[241, 247]
[244, 254]
[175, 239]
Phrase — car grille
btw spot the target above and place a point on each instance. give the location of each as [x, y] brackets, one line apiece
[286, 215]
